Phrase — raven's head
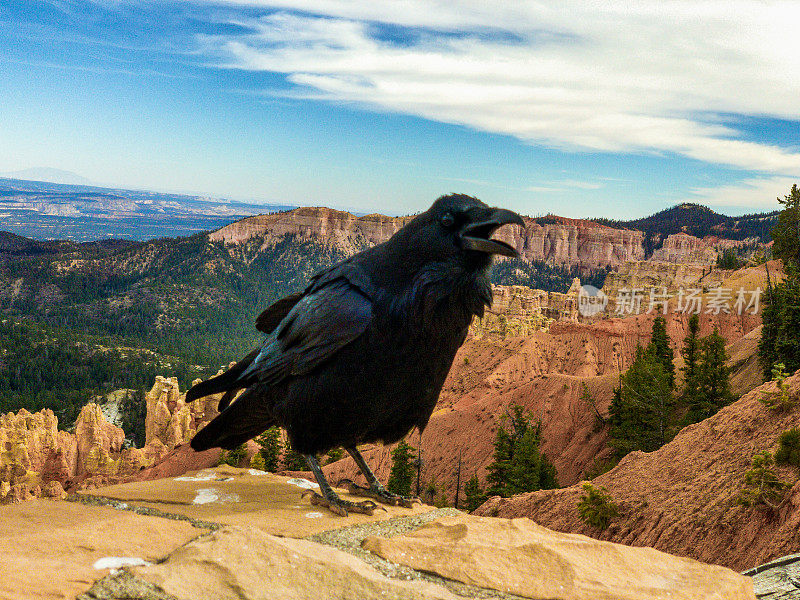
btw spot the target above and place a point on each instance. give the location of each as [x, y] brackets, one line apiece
[460, 227]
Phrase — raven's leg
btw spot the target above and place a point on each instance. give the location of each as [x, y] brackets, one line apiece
[329, 498]
[375, 489]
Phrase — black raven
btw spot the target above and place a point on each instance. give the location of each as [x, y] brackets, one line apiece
[361, 355]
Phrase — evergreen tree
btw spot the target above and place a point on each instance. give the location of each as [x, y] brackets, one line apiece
[659, 342]
[786, 233]
[402, 473]
[644, 412]
[518, 464]
[293, 460]
[780, 337]
[728, 259]
[236, 456]
[690, 353]
[271, 446]
[475, 496]
[500, 470]
[715, 388]
[530, 469]
[707, 382]
[257, 462]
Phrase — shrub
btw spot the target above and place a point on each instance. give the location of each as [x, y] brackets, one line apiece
[257, 462]
[475, 495]
[780, 400]
[334, 455]
[762, 484]
[789, 450]
[596, 507]
[237, 456]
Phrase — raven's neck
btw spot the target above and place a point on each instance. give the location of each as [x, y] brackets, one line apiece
[444, 292]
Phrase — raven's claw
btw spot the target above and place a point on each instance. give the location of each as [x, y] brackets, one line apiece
[341, 507]
[380, 493]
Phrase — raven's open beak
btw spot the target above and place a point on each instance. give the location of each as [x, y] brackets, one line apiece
[477, 236]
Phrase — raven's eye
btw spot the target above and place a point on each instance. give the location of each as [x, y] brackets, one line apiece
[447, 219]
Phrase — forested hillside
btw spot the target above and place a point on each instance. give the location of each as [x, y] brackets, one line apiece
[81, 319]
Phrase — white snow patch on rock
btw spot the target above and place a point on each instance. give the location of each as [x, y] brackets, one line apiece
[303, 483]
[208, 495]
[314, 515]
[116, 562]
[199, 477]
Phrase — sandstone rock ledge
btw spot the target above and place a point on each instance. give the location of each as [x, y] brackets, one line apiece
[235, 533]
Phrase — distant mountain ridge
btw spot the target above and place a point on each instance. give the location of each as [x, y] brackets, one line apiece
[44, 210]
[48, 174]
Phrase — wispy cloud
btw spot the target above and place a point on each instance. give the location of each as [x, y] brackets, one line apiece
[758, 192]
[577, 76]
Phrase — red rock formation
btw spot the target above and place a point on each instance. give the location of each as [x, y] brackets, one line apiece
[682, 498]
[569, 242]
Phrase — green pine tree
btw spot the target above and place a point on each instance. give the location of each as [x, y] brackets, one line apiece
[293, 460]
[728, 259]
[530, 470]
[780, 337]
[271, 446]
[403, 470]
[786, 233]
[519, 466]
[642, 417]
[475, 496]
[500, 470]
[659, 343]
[691, 356]
[236, 456]
[715, 387]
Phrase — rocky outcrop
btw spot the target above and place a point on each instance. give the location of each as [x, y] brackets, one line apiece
[683, 498]
[330, 227]
[518, 310]
[555, 240]
[522, 558]
[685, 249]
[238, 533]
[36, 459]
[169, 419]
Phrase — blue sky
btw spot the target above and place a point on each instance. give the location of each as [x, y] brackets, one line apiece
[583, 109]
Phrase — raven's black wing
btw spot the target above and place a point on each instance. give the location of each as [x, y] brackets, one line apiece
[271, 317]
[327, 318]
[323, 321]
[226, 382]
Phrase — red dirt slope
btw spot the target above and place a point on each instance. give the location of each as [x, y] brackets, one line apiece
[682, 498]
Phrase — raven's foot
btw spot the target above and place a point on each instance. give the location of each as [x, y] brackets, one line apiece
[381, 494]
[342, 507]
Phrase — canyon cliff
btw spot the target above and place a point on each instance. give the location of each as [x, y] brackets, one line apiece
[555, 240]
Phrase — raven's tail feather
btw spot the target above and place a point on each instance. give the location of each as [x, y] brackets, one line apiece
[241, 421]
[227, 381]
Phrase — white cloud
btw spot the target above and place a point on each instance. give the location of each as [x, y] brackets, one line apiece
[575, 75]
[758, 192]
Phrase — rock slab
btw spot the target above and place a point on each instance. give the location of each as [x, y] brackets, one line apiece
[520, 557]
[244, 562]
